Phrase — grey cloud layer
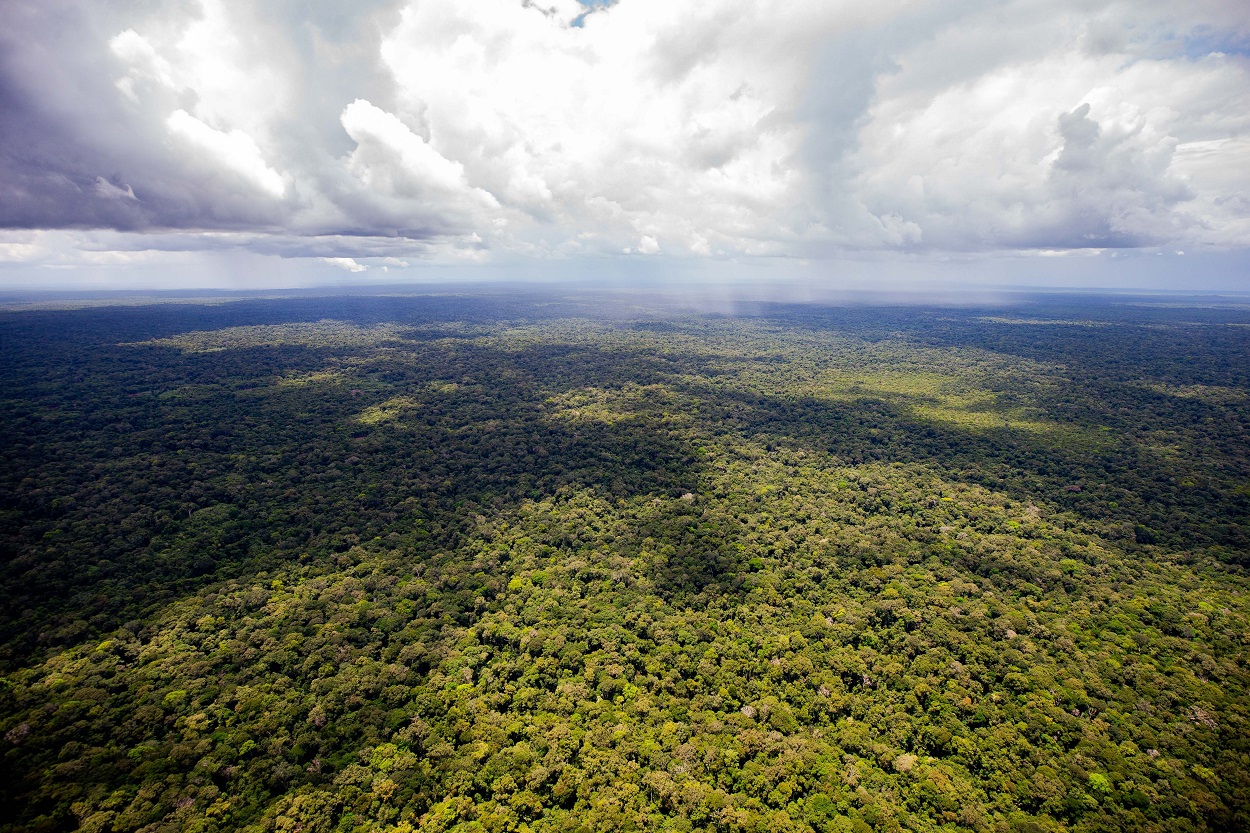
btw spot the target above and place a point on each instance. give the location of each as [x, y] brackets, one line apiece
[728, 128]
[70, 147]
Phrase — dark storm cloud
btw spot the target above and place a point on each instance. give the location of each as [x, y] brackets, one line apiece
[52, 125]
[77, 153]
[69, 145]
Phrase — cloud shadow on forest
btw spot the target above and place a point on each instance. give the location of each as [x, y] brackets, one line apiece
[136, 475]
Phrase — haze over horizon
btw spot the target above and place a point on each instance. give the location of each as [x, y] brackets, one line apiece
[224, 144]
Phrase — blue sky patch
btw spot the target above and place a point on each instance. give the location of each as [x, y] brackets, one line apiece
[591, 7]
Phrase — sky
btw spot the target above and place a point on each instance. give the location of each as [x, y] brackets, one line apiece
[235, 144]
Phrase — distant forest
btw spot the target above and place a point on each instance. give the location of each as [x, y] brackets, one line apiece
[583, 561]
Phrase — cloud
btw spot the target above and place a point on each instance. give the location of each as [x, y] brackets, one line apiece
[345, 263]
[505, 131]
[67, 122]
[109, 191]
[652, 118]
[234, 150]
[1066, 150]
[405, 181]
[144, 62]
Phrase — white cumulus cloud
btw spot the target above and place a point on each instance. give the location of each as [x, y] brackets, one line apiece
[235, 150]
[1053, 144]
[347, 263]
[404, 176]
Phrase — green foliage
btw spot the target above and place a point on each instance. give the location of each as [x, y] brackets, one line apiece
[396, 565]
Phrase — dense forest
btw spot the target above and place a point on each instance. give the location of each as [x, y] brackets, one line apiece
[522, 561]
